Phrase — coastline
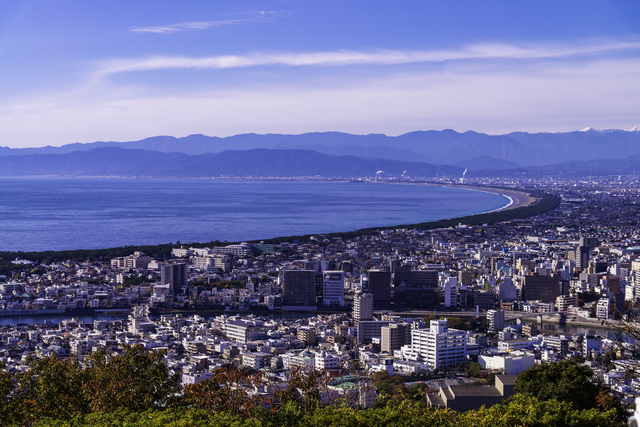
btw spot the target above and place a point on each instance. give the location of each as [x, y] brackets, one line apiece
[520, 203]
[517, 198]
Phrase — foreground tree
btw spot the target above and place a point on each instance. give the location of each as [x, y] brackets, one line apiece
[136, 380]
[565, 381]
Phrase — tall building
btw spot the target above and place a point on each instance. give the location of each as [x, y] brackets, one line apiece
[362, 308]
[507, 290]
[380, 287]
[612, 283]
[582, 257]
[174, 275]
[298, 288]
[543, 288]
[440, 346]
[496, 320]
[333, 289]
[394, 336]
[450, 292]
[592, 242]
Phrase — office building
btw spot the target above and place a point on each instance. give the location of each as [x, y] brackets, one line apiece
[333, 288]
[380, 287]
[542, 288]
[394, 336]
[174, 275]
[582, 258]
[450, 292]
[362, 308]
[496, 320]
[298, 288]
[440, 346]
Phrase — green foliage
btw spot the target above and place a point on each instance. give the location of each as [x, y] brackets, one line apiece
[132, 281]
[519, 411]
[135, 380]
[565, 381]
[174, 417]
[474, 369]
[389, 386]
[528, 411]
[51, 387]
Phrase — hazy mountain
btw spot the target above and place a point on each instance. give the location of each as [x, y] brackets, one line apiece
[574, 169]
[114, 161]
[487, 162]
[436, 147]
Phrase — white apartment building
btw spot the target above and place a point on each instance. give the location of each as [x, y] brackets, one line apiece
[440, 346]
[496, 320]
[602, 309]
[509, 364]
[326, 360]
[362, 308]
[333, 288]
[450, 292]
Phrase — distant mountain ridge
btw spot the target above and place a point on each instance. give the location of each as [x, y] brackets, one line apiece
[446, 147]
[285, 163]
[264, 163]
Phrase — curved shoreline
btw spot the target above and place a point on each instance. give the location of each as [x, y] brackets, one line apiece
[525, 204]
[516, 198]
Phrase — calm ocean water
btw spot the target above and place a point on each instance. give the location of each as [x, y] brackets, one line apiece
[87, 213]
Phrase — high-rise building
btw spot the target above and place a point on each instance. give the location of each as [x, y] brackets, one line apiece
[333, 289]
[298, 288]
[496, 320]
[582, 257]
[362, 308]
[507, 291]
[440, 346]
[612, 283]
[174, 275]
[380, 287]
[394, 336]
[591, 242]
[450, 292]
[543, 288]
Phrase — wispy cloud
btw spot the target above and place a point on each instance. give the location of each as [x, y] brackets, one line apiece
[204, 25]
[338, 58]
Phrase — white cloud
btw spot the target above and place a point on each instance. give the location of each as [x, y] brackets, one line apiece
[342, 58]
[558, 97]
[476, 90]
[203, 25]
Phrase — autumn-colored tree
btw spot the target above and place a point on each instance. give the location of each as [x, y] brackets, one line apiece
[50, 388]
[136, 379]
[6, 388]
[226, 391]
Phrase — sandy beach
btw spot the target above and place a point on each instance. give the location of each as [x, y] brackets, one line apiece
[518, 198]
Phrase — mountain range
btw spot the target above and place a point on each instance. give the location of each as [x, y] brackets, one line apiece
[419, 154]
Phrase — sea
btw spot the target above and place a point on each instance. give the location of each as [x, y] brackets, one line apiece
[63, 213]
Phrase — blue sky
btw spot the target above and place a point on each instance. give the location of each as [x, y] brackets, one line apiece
[83, 71]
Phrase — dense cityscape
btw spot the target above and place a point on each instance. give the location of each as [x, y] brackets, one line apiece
[454, 313]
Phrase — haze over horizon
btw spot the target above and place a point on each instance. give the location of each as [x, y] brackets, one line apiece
[123, 71]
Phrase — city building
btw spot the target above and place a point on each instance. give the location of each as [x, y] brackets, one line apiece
[333, 288]
[496, 320]
[440, 346]
[298, 289]
[380, 287]
[362, 308]
[542, 288]
[174, 275]
[394, 336]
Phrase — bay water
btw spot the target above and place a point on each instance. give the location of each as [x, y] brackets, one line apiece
[56, 213]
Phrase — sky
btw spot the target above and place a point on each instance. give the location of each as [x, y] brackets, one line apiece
[85, 71]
